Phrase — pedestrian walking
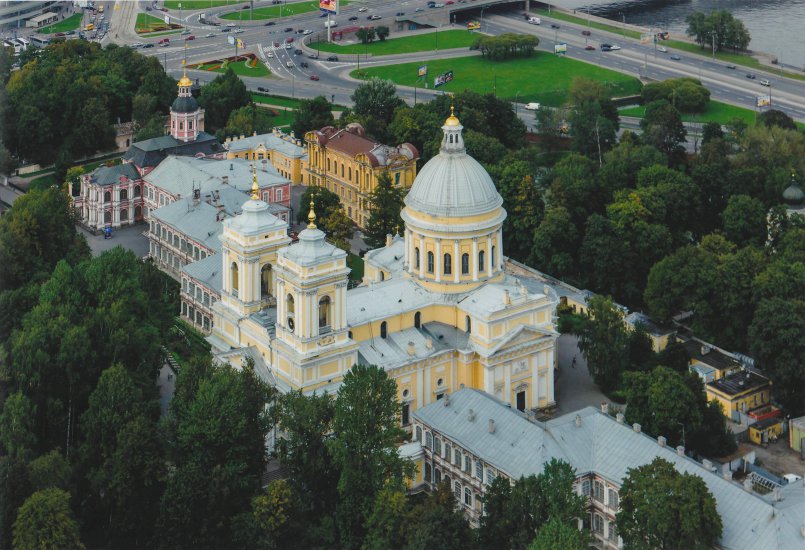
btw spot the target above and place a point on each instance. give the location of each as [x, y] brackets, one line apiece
[573, 364]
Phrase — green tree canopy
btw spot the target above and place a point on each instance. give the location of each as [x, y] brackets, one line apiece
[687, 94]
[438, 522]
[17, 433]
[45, 521]
[745, 221]
[246, 120]
[224, 94]
[312, 114]
[385, 205]
[376, 98]
[603, 342]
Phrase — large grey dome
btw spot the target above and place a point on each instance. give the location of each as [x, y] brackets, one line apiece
[453, 183]
[184, 105]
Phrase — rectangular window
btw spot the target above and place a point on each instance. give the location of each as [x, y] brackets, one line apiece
[457, 490]
[613, 500]
[598, 491]
[585, 487]
[447, 452]
[467, 464]
[490, 476]
[467, 496]
[437, 447]
[437, 478]
[598, 524]
[279, 195]
[613, 531]
[405, 415]
[457, 459]
[397, 178]
[428, 440]
[479, 470]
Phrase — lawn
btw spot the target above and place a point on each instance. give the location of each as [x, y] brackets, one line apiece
[583, 21]
[416, 43]
[715, 112]
[241, 69]
[149, 23]
[271, 12]
[543, 78]
[70, 24]
[200, 4]
[282, 101]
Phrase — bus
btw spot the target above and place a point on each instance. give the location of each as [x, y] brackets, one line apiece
[89, 27]
[24, 41]
[100, 8]
[40, 41]
[13, 44]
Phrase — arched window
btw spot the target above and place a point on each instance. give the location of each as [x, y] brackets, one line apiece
[181, 125]
[481, 259]
[430, 261]
[136, 190]
[124, 215]
[417, 319]
[448, 264]
[493, 257]
[265, 281]
[465, 264]
[289, 304]
[324, 312]
[468, 324]
[383, 329]
[416, 257]
[382, 276]
[233, 270]
[107, 217]
[107, 196]
[124, 194]
[138, 212]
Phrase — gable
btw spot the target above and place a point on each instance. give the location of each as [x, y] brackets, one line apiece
[524, 334]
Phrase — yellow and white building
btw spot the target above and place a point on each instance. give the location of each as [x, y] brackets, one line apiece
[285, 152]
[444, 314]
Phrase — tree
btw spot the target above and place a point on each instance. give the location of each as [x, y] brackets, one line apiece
[560, 535]
[573, 186]
[745, 221]
[51, 470]
[376, 98]
[364, 447]
[153, 128]
[268, 524]
[382, 32]
[663, 128]
[365, 35]
[324, 201]
[385, 205]
[506, 46]
[15, 487]
[340, 228]
[312, 114]
[17, 426]
[555, 243]
[774, 117]
[527, 210]
[687, 94]
[220, 97]
[776, 343]
[603, 341]
[386, 527]
[439, 522]
[655, 509]
[593, 133]
[710, 131]
[45, 521]
[246, 121]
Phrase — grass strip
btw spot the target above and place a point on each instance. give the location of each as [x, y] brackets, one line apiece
[271, 12]
[562, 16]
[716, 111]
[408, 44]
[543, 78]
[70, 24]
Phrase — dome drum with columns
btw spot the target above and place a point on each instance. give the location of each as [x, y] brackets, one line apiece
[437, 308]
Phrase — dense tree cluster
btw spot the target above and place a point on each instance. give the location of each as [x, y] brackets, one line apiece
[73, 92]
[220, 98]
[312, 114]
[506, 46]
[720, 29]
[686, 94]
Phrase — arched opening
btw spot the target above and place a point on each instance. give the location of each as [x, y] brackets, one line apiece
[124, 215]
[324, 312]
[481, 259]
[465, 264]
[467, 324]
[383, 329]
[382, 276]
[493, 257]
[136, 190]
[430, 262]
[417, 319]
[289, 304]
[448, 264]
[233, 271]
[265, 281]
[124, 194]
[416, 257]
[138, 212]
[107, 196]
[107, 217]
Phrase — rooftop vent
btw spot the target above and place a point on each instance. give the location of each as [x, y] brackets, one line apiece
[727, 474]
[705, 349]
[636, 427]
[605, 407]
[231, 165]
[491, 427]
[680, 450]
[707, 465]
[661, 441]
[578, 421]
[506, 298]
[446, 400]
[429, 342]
[411, 348]
[619, 418]
[471, 415]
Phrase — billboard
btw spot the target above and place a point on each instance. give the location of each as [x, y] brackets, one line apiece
[230, 39]
[329, 6]
[763, 100]
[167, 20]
[443, 79]
[473, 25]
[422, 71]
[560, 48]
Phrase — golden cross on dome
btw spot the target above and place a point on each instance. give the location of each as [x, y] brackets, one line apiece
[311, 216]
[255, 188]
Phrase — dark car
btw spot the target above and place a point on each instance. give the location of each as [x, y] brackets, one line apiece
[332, 58]
[750, 76]
[289, 40]
[606, 47]
[314, 77]
[589, 47]
[400, 13]
[148, 45]
[586, 33]
[276, 44]
[70, 33]
[554, 26]
[300, 31]
[303, 64]
[297, 52]
[262, 89]
[675, 57]
[731, 66]
[226, 29]
[353, 18]
[270, 24]
[288, 29]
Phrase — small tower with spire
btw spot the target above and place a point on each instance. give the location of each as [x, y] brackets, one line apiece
[187, 118]
[794, 197]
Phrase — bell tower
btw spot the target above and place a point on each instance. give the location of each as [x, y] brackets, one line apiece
[187, 118]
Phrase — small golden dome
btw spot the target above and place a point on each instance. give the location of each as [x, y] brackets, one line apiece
[311, 216]
[452, 120]
[185, 82]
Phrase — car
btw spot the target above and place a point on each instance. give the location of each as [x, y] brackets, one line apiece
[289, 64]
[262, 89]
[353, 18]
[288, 29]
[209, 35]
[70, 33]
[323, 14]
[675, 57]
[303, 64]
[532, 106]
[586, 33]
[297, 51]
[750, 76]
[614, 47]
[362, 10]
[313, 56]
[147, 8]
[231, 25]
[374, 17]
[449, 2]
[270, 24]
[191, 37]
[606, 47]
[148, 45]
[288, 46]
[332, 58]
[186, 31]
[164, 41]
[59, 34]
[416, 10]
[270, 55]
[307, 32]
[289, 40]
[764, 82]
[554, 26]
[330, 24]
[163, 9]
[276, 44]
[662, 49]
[137, 45]
[300, 31]
[400, 13]
[731, 67]
[314, 77]
[238, 31]
[226, 29]
[589, 47]
[162, 45]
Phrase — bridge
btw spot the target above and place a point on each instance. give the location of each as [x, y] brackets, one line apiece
[463, 10]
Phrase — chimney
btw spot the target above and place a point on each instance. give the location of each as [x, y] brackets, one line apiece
[265, 165]
[411, 349]
[293, 134]
[748, 484]
[506, 298]
[636, 427]
[605, 407]
[446, 400]
[546, 290]
[680, 450]
[578, 421]
[389, 239]
[461, 386]
[225, 179]
[196, 196]
[429, 342]
[777, 494]
[619, 418]
[232, 165]
[707, 465]
[661, 441]
[727, 474]
[491, 427]
[705, 349]
[471, 415]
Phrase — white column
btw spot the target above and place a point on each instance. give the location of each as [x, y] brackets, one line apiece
[421, 257]
[438, 263]
[408, 248]
[456, 267]
[499, 250]
[488, 255]
[474, 259]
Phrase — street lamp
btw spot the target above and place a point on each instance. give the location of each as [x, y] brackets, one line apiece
[713, 37]
[516, 96]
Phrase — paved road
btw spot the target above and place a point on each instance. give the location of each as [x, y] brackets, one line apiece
[574, 389]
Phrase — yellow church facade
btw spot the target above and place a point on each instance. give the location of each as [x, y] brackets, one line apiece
[436, 308]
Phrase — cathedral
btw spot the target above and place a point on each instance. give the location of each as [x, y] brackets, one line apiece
[437, 309]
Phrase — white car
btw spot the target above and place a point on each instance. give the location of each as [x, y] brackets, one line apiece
[362, 10]
[231, 25]
[237, 31]
[614, 47]
[137, 45]
[288, 46]
[662, 49]
[209, 35]
[330, 24]
[765, 82]
[269, 54]
[307, 32]
[532, 106]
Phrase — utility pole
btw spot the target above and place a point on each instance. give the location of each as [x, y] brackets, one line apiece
[713, 36]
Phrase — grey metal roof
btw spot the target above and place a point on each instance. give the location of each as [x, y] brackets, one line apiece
[151, 152]
[388, 258]
[392, 352]
[273, 141]
[636, 318]
[207, 272]
[312, 249]
[603, 446]
[110, 175]
[197, 221]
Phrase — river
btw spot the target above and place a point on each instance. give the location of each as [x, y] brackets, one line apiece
[777, 27]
